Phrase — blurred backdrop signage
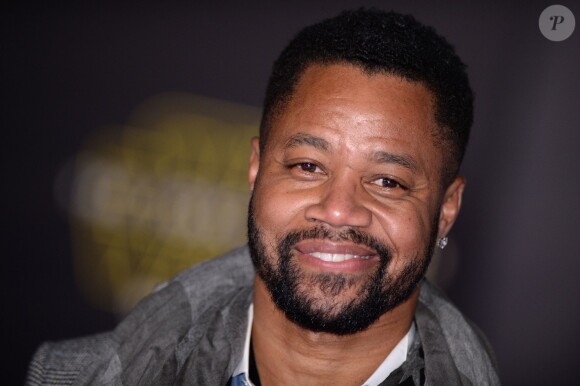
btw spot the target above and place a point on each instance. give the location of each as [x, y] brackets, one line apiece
[152, 197]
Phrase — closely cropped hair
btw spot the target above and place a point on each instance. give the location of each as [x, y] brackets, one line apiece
[381, 42]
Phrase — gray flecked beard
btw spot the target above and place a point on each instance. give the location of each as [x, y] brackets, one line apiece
[378, 293]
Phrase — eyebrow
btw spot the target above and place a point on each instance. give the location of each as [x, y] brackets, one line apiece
[301, 139]
[398, 159]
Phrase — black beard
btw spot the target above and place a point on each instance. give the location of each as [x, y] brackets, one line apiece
[379, 294]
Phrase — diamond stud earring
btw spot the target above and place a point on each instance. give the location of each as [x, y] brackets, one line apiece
[443, 242]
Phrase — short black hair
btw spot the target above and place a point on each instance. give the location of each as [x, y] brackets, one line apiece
[381, 42]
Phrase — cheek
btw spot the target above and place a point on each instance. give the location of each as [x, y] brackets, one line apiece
[276, 211]
[408, 232]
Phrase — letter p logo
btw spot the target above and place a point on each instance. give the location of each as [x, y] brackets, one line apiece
[557, 20]
[556, 23]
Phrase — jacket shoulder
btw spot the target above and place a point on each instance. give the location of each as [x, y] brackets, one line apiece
[60, 363]
[466, 346]
[151, 332]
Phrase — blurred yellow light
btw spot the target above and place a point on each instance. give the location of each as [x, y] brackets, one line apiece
[159, 194]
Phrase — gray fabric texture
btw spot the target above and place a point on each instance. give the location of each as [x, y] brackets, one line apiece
[191, 331]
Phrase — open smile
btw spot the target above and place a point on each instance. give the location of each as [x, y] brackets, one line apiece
[334, 252]
[337, 257]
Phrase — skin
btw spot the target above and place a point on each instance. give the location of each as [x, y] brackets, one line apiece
[350, 150]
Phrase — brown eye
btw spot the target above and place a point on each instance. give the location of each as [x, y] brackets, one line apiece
[388, 183]
[307, 167]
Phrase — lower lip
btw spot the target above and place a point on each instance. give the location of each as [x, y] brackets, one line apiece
[352, 265]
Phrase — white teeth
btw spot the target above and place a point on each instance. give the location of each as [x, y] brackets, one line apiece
[336, 257]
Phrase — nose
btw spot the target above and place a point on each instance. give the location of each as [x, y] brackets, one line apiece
[339, 203]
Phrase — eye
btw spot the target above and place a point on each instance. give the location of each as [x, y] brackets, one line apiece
[307, 167]
[388, 183]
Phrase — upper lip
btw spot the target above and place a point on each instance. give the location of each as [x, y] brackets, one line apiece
[325, 246]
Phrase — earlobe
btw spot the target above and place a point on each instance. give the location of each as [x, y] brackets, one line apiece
[450, 206]
[254, 164]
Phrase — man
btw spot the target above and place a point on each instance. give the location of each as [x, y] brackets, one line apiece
[354, 183]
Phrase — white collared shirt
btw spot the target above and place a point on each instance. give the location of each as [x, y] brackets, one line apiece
[393, 361]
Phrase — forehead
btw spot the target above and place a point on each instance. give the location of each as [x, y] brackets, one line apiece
[351, 106]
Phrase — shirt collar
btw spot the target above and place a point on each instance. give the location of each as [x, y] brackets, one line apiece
[393, 361]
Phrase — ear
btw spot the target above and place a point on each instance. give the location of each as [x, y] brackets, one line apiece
[254, 164]
[450, 206]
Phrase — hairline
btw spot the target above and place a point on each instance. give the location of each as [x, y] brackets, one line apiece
[438, 134]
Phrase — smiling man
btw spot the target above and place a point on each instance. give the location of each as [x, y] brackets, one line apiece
[354, 183]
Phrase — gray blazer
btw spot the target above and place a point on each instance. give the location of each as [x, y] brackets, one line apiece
[191, 331]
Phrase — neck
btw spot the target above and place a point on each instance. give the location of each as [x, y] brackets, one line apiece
[287, 354]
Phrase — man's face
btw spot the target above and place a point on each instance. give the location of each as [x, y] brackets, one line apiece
[347, 201]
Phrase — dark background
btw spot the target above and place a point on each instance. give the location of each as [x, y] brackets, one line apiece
[67, 70]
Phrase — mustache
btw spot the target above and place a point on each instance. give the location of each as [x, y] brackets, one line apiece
[353, 235]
